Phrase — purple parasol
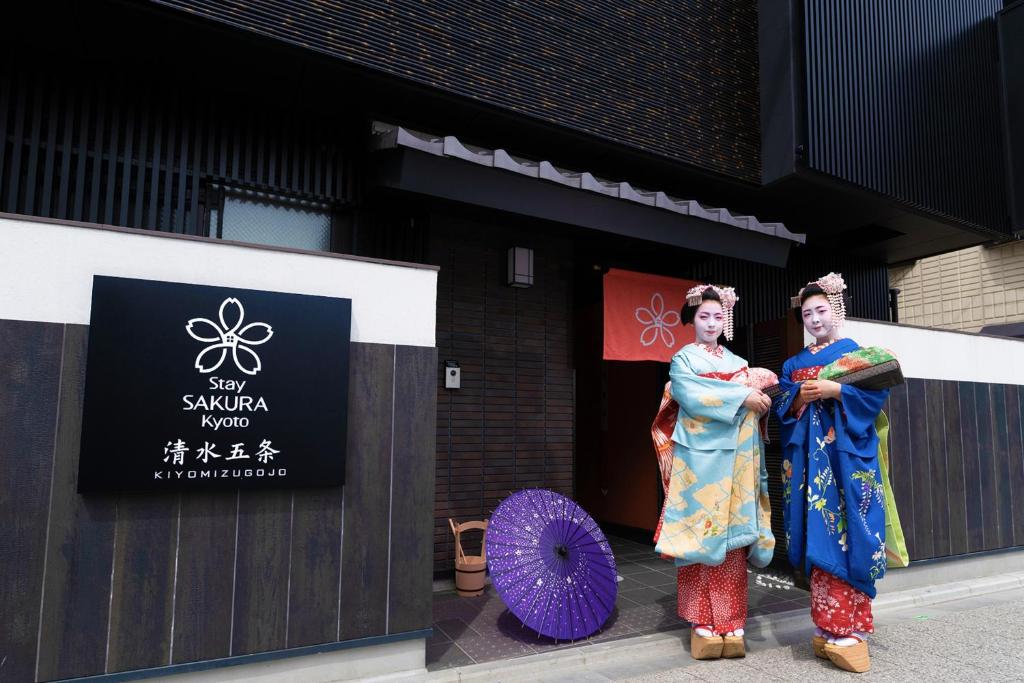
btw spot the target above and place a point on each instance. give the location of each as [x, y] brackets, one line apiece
[551, 564]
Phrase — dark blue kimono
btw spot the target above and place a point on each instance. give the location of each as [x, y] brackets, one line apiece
[834, 506]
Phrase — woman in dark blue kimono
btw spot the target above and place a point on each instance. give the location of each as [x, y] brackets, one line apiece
[833, 497]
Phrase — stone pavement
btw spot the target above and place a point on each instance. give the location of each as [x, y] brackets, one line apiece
[974, 637]
[479, 630]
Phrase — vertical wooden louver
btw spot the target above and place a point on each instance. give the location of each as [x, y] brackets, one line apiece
[82, 148]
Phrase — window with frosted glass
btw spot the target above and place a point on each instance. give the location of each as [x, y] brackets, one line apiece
[262, 219]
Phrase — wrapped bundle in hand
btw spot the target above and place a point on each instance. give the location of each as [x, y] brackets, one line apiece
[869, 367]
[763, 379]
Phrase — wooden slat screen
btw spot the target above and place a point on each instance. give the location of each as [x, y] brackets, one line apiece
[138, 155]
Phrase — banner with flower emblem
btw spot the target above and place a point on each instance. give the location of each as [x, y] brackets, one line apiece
[641, 316]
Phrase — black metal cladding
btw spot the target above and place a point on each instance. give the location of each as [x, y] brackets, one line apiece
[903, 99]
[678, 79]
[79, 147]
[1011, 43]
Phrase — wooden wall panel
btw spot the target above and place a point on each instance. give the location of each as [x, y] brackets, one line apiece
[315, 567]
[1015, 420]
[939, 476]
[364, 555]
[973, 459]
[206, 576]
[261, 571]
[141, 607]
[1003, 500]
[410, 592]
[956, 484]
[901, 461]
[80, 551]
[987, 467]
[957, 489]
[30, 363]
[917, 425]
[107, 583]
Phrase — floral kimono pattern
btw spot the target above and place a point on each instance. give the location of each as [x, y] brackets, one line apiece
[717, 497]
[838, 607]
[833, 494]
[716, 513]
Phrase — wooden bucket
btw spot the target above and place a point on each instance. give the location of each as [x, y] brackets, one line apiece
[470, 570]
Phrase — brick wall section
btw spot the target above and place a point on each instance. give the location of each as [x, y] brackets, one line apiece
[964, 290]
[510, 426]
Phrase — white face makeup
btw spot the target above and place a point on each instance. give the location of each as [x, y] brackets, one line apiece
[709, 321]
[817, 317]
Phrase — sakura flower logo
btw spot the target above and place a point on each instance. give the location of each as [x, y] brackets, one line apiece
[227, 336]
[657, 322]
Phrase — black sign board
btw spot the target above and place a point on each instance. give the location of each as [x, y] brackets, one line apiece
[190, 387]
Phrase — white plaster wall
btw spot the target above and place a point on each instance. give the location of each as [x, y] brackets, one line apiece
[940, 354]
[46, 275]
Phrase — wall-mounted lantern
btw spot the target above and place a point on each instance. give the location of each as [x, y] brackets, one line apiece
[520, 267]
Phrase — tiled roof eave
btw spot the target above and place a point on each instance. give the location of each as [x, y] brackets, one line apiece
[388, 136]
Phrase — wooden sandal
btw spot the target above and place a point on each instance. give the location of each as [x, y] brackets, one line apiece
[854, 658]
[733, 647]
[705, 648]
[819, 643]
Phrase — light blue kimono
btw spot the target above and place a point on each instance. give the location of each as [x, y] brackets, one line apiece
[718, 491]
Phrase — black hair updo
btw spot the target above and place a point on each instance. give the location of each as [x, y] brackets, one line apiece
[690, 312]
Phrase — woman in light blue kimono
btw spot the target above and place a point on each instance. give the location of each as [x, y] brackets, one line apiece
[834, 497]
[716, 515]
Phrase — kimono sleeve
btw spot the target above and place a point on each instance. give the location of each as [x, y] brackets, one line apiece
[703, 397]
[857, 413]
[788, 393]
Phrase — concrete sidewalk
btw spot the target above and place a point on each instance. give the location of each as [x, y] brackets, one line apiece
[954, 642]
[963, 630]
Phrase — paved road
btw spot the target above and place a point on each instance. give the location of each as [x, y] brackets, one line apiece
[975, 639]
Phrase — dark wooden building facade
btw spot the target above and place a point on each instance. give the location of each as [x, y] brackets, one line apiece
[161, 115]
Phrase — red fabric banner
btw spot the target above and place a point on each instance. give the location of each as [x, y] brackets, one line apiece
[641, 316]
